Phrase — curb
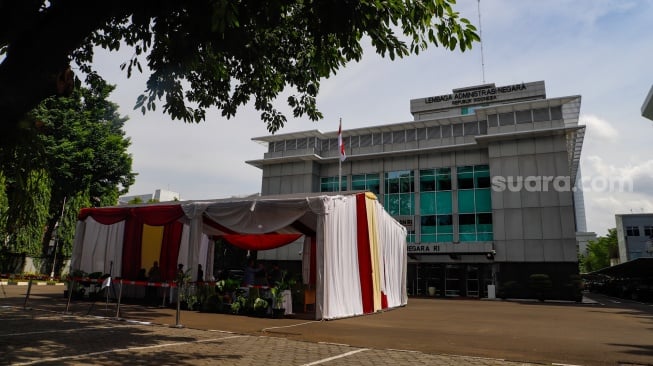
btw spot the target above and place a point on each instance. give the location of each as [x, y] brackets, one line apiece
[25, 283]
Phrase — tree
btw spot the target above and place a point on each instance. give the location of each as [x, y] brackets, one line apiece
[205, 53]
[77, 158]
[600, 251]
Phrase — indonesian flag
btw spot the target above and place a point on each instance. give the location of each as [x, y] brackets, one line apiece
[341, 144]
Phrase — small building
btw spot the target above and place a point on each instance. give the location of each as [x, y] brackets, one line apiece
[635, 236]
[159, 195]
[483, 179]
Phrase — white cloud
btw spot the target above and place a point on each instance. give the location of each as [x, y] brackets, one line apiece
[598, 128]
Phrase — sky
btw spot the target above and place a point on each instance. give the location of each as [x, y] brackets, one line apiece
[601, 50]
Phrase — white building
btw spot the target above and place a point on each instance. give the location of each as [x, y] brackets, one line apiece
[482, 179]
[160, 195]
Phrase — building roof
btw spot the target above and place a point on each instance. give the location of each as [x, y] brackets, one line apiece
[647, 107]
[637, 268]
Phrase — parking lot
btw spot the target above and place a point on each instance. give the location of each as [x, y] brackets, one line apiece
[427, 331]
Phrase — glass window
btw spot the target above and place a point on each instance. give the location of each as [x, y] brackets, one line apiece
[482, 128]
[411, 135]
[632, 230]
[467, 223]
[446, 131]
[523, 116]
[387, 138]
[443, 202]
[445, 224]
[330, 184]
[471, 128]
[365, 182]
[434, 132]
[556, 113]
[376, 139]
[483, 200]
[399, 188]
[426, 182]
[492, 120]
[427, 203]
[301, 143]
[465, 177]
[541, 114]
[398, 137]
[506, 119]
[648, 230]
[466, 201]
[457, 130]
[366, 140]
[421, 133]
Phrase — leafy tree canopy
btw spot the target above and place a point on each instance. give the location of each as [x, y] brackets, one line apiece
[205, 53]
[78, 157]
[600, 251]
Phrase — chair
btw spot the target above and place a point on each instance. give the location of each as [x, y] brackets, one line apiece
[309, 298]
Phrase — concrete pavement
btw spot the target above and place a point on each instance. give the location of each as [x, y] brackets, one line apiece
[427, 331]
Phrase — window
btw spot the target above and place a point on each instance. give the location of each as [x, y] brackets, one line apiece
[492, 120]
[421, 133]
[437, 228]
[523, 116]
[399, 137]
[541, 114]
[376, 139]
[366, 182]
[446, 131]
[330, 184]
[387, 138]
[301, 144]
[471, 129]
[411, 135]
[399, 198]
[648, 231]
[366, 140]
[506, 119]
[474, 203]
[457, 130]
[556, 113]
[632, 230]
[434, 132]
[291, 144]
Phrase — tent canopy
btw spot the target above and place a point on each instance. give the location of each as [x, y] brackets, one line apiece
[359, 251]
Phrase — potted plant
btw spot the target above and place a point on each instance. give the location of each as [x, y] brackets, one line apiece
[277, 292]
[260, 307]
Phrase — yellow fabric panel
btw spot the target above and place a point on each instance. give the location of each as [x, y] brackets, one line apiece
[374, 251]
[370, 195]
[151, 246]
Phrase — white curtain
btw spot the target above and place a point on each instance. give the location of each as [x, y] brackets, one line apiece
[393, 257]
[101, 245]
[341, 289]
[183, 247]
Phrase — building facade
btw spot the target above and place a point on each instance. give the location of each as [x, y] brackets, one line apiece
[482, 178]
[159, 195]
[635, 236]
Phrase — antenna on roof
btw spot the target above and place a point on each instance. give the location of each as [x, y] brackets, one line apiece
[480, 34]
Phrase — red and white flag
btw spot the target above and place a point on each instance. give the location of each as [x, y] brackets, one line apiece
[341, 144]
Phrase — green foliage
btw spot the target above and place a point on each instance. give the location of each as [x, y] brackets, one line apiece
[599, 252]
[77, 156]
[225, 53]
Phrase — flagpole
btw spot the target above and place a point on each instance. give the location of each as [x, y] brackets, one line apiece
[339, 156]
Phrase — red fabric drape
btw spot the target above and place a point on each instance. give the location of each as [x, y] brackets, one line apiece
[260, 241]
[152, 215]
[364, 255]
[170, 250]
[105, 216]
[131, 247]
[159, 215]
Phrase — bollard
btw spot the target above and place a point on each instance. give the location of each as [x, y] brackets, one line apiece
[29, 289]
[71, 286]
[178, 306]
[119, 298]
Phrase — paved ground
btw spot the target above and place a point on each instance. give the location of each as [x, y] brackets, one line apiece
[427, 331]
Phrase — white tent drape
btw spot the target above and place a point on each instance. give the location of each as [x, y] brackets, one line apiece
[102, 246]
[341, 286]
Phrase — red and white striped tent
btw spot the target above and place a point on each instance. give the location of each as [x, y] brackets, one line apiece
[354, 251]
